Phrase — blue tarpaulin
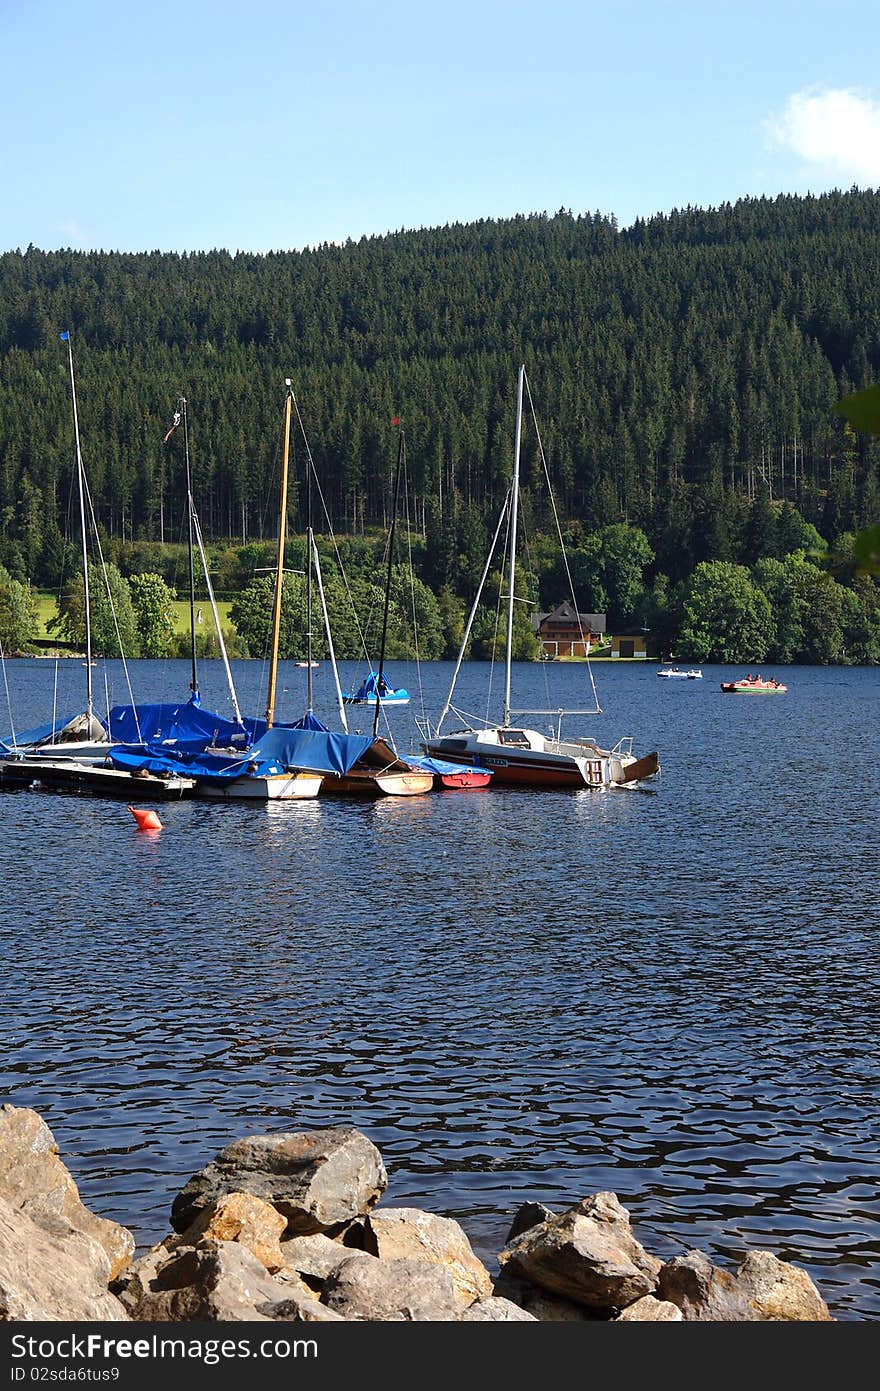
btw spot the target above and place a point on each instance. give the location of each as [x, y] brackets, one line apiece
[186, 725]
[281, 748]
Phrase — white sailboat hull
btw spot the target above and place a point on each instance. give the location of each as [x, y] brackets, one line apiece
[271, 787]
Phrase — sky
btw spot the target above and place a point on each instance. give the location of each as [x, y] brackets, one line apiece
[263, 126]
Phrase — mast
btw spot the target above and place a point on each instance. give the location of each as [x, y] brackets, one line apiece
[471, 616]
[514, 509]
[310, 696]
[279, 569]
[317, 562]
[388, 584]
[194, 679]
[65, 338]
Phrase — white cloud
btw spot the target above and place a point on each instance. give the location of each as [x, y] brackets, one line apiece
[837, 128]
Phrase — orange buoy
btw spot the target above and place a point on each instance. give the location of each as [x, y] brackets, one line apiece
[147, 820]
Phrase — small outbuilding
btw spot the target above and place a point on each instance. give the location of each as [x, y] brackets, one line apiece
[632, 643]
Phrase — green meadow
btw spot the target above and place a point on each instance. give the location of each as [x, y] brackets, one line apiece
[47, 608]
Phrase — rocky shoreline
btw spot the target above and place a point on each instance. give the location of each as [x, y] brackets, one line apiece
[289, 1227]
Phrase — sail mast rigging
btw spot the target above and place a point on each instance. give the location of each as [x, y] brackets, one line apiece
[65, 337]
[279, 570]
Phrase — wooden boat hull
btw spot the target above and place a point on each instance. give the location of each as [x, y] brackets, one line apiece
[642, 768]
[372, 783]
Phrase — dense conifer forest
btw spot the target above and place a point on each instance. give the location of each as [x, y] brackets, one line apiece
[684, 372]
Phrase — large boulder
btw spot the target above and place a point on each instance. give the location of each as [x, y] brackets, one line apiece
[495, 1309]
[779, 1291]
[243, 1218]
[587, 1254]
[312, 1258]
[541, 1304]
[366, 1289]
[650, 1310]
[33, 1178]
[213, 1282]
[408, 1233]
[319, 1180]
[702, 1291]
[51, 1271]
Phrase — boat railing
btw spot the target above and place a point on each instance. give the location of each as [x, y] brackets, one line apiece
[624, 747]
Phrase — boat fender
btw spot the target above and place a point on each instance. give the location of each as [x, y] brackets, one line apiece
[146, 819]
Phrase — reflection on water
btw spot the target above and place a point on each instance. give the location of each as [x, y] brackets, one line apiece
[515, 995]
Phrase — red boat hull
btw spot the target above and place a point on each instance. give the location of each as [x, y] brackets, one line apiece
[467, 778]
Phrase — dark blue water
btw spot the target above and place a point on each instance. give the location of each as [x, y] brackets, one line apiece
[672, 994]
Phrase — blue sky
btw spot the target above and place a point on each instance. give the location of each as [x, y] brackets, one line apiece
[269, 126]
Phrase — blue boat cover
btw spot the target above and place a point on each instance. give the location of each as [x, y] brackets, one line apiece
[440, 765]
[281, 748]
[183, 725]
[369, 689]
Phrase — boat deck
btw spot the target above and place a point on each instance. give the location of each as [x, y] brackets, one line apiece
[66, 774]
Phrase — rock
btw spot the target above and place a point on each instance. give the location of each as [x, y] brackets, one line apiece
[212, 1282]
[650, 1310]
[587, 1254]
[702, 1291]
[313, 1257]
[301, 1306]
[243, 1218]
[407, 1232]
[495, 1310]
[776, 1290]
[51, 1271]
[543, 1306]
[529, 1215]
[319, 1180]
[33, 1178]
[367, 1289]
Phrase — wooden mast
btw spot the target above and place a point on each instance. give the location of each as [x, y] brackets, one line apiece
[279, 568]
[194, 678]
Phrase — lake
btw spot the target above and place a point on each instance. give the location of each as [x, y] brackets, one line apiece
[669, 993]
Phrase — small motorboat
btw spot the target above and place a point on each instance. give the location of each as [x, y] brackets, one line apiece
[753, 685]
[694, 674]
[306, 665]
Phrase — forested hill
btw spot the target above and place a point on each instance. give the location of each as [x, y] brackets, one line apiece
[683, 372]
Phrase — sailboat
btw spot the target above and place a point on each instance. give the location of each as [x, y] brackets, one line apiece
[81, 736]
[71, 753]
[519, 755]
[379, 770]
[235, 760]
[372, 689]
